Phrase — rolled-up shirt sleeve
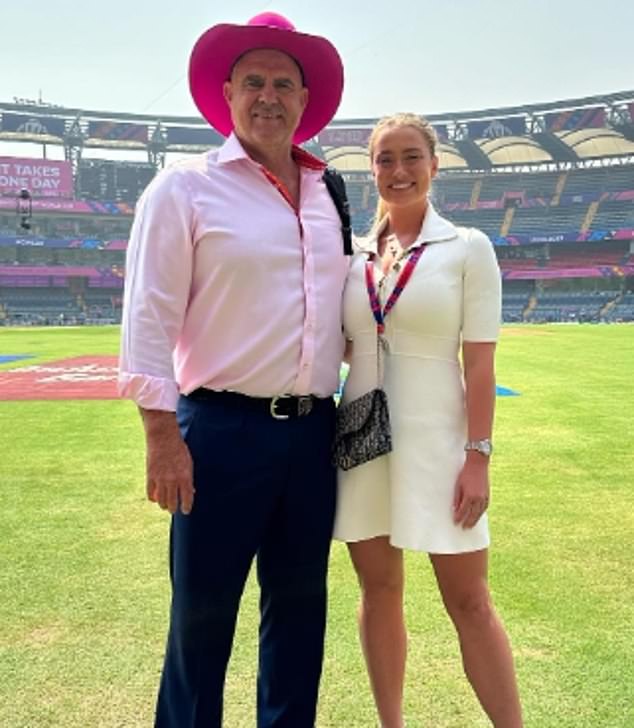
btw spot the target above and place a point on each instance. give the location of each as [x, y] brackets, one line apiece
[159, 265]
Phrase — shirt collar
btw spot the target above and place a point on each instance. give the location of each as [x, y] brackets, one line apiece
[233, 150]
[435, 229]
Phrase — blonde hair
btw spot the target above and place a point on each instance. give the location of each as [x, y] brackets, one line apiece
[419, 123]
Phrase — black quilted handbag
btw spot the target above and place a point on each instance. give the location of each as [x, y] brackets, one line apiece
[363, 430]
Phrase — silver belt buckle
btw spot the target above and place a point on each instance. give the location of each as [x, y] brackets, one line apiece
[273, 406]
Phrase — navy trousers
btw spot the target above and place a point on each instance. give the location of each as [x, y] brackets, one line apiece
[265, 488]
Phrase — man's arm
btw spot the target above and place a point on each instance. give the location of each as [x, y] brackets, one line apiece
[158, 277]
[169, 471]
[159, 263]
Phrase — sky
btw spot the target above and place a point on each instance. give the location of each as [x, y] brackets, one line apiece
[425, 56]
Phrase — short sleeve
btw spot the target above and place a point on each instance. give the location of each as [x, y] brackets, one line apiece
[482, 296]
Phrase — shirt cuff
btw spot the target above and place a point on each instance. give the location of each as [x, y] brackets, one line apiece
[153, 393]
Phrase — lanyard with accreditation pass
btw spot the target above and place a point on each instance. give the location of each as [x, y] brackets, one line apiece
[375, 304]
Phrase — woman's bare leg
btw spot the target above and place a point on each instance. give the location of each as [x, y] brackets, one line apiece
[486, 653]
[379, 567]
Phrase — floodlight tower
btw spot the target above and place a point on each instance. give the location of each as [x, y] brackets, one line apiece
[157, 147]
[73, 147]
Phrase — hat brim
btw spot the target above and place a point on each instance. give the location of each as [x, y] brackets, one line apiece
[218, 48]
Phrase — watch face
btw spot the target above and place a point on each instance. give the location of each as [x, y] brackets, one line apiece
[485, 447]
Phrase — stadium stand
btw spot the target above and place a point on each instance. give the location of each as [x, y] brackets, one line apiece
[551, 184]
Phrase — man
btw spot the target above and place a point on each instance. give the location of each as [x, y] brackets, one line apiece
[231, 346]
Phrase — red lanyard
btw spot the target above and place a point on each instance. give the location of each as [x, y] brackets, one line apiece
[406, 274]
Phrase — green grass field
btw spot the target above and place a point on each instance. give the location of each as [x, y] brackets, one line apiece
[84, 588]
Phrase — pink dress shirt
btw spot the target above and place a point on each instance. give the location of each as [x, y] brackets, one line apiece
[229, 287]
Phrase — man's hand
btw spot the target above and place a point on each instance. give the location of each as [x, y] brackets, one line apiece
[169, 470]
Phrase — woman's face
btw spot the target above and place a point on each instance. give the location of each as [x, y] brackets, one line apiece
[403, 166]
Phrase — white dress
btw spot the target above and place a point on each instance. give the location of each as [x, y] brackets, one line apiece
[453, 295]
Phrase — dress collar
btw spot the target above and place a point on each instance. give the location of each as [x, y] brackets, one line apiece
[435, 229]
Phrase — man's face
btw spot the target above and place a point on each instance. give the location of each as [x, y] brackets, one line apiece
[267, 98]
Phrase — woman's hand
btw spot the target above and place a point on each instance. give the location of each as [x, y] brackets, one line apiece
[471, 497]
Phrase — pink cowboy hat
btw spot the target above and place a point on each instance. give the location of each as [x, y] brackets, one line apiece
[219, 48]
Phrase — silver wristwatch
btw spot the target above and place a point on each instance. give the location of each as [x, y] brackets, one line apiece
[484, 447]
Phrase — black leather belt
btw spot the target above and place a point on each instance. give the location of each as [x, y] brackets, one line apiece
[281, 407]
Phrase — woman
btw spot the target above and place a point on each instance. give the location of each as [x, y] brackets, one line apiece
[432, 491]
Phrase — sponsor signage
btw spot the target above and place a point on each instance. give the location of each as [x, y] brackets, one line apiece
[360, 136]
[591, 272]
[494, 128]
[113, 131]
[86, 377]
[572, 236]
[592, 118]
[41, 177]
[39, 242]
[344, 137]
[72, 206]
[39, 125]
[357, 177]
[188, 136]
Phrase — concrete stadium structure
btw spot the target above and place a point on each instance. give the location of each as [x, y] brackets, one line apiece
[552, 184]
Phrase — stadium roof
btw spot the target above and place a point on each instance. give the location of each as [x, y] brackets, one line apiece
[572, 132]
